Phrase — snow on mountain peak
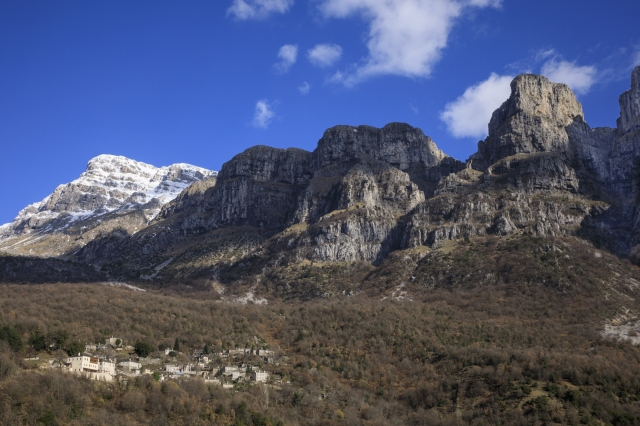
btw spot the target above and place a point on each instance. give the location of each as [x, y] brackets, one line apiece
[109, 183]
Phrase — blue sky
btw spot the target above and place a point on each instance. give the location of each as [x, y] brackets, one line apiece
[200, 81]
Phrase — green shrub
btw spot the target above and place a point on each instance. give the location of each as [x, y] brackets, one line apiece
[143, 349]
[12, 336]
[75, 348]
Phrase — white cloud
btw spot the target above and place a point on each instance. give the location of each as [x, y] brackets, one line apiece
[263, 115]
[288, 55]
[636, 59]
[469, 115]
[578, 78]
[304, 88]
[406, 37]
[543, 54]
[324, 55]
[258, 9]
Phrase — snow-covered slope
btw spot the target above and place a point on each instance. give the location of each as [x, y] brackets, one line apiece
[110, 187]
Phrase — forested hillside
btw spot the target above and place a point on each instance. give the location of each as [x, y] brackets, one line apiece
[471, 337]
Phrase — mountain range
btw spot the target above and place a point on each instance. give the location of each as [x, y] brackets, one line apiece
[362, 198]
[393, 284]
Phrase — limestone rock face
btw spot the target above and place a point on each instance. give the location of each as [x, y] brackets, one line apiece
[630, 105]
[275, 188]
[258, 188]
[191, 199]
[266, 164]
[593, 148]
[357, 218]
[353, 168]
[532, 120]
[396, 144]
[625, 161]
[626, 148]
[190, 203]
[244, 201]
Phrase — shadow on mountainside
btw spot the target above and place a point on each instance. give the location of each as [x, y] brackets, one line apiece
[33, 270]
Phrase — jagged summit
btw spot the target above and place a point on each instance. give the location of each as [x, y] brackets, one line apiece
[111, 182]
[127, 181]
[533, 119]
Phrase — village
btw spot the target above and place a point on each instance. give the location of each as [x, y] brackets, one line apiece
[115, 361]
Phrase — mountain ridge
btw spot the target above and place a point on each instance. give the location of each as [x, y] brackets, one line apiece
[365, 192]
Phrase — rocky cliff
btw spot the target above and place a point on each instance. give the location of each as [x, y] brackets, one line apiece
[365, 192]
[551, 174]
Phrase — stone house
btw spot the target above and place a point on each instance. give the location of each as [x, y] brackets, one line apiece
[149, 361]
[171, 368]
[228, 369]
[239, 351]
[233, 372]
[259, 376]
[91, 347]
[212, 381]
[130, 366]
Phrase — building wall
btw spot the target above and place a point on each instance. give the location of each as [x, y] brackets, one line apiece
[259, 376]
[131, 365]
[107, 367]
[81, 364]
